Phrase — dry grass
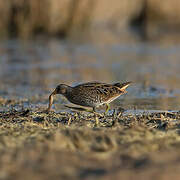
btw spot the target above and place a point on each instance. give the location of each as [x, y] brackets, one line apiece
[28, 18]
[37, 145]
[63, 18]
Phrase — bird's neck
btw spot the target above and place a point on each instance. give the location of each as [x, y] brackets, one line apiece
[68, 91]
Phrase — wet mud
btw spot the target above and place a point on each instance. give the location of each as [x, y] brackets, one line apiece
[70, 145]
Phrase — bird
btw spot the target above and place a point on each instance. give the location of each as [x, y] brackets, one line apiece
[90, 94]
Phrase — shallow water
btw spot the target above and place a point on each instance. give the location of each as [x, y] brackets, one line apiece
[32, 69]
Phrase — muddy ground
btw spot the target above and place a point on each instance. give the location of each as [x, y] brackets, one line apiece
[70, 145]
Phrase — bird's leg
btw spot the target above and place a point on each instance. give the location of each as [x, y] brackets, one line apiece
[94, 109]
[96, 120]
[107, 108]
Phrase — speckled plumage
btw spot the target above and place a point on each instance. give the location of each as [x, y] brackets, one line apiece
[91, 94]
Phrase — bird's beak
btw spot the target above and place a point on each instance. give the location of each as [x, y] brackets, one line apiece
[51, 100]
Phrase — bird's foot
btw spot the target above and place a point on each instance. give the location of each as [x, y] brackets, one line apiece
[107, 109]
[47, 111]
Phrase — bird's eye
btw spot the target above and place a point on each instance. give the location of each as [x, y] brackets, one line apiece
[63, 90]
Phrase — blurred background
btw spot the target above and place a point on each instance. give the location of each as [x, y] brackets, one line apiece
[47, 42]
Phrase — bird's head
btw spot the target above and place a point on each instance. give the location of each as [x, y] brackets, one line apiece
[60, 89]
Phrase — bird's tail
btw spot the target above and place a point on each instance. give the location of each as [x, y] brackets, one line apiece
[122, 86]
